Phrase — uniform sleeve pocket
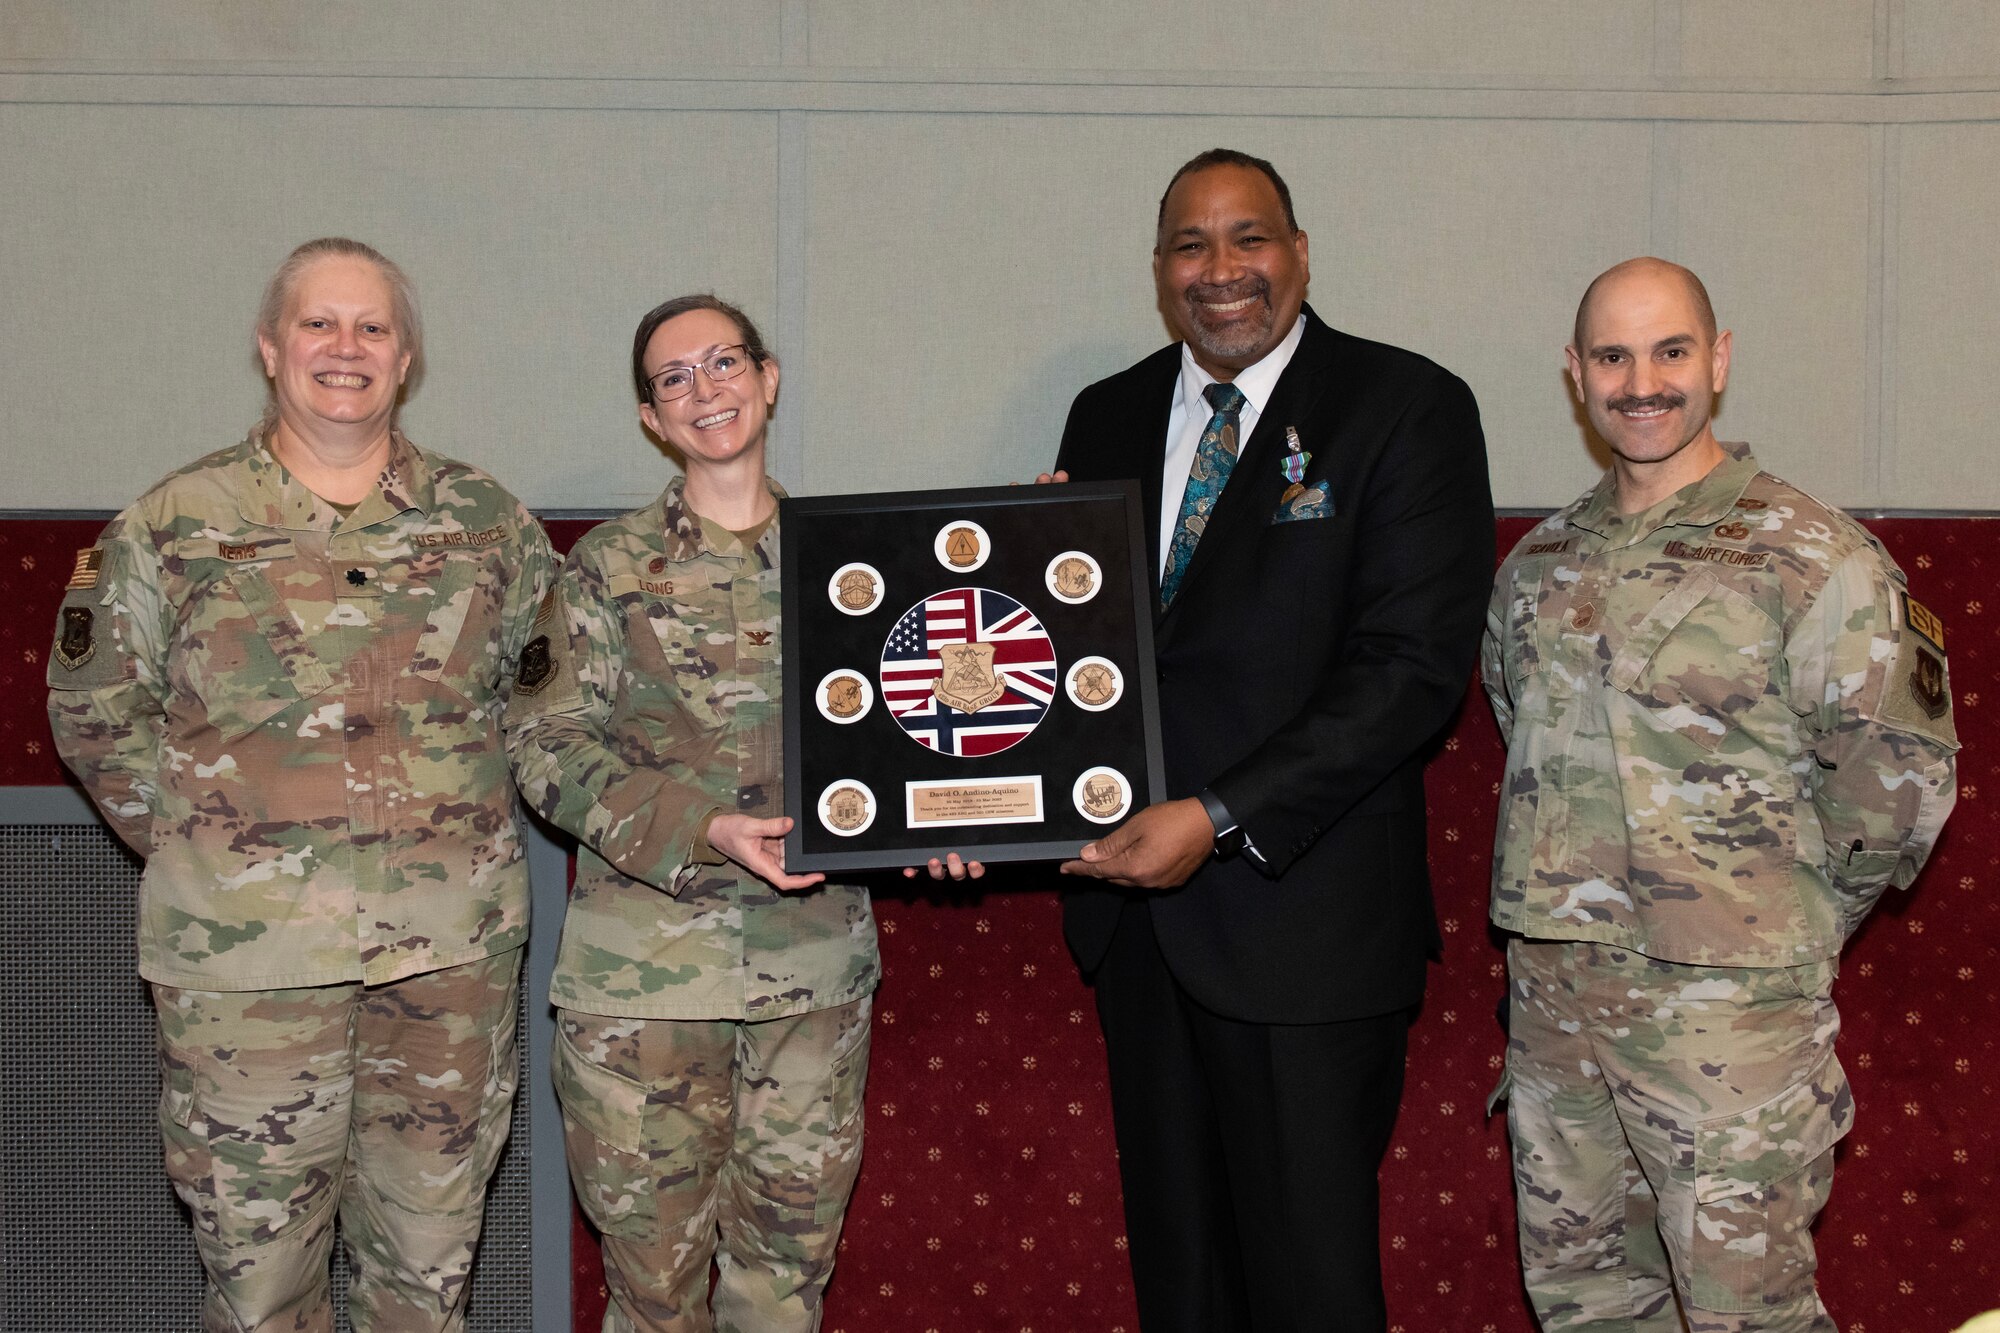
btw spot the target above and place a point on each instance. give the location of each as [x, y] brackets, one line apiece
[1761, 1177]
[1699, 659]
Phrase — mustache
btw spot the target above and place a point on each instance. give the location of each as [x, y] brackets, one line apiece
[1665, 398]
[1228, 291]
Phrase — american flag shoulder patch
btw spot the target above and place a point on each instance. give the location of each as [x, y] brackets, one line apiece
[88, 562]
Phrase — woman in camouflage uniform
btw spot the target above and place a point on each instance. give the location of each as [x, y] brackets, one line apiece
[713, 1008]
[280, 673]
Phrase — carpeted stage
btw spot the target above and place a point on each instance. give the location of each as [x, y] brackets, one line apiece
[989, 1197]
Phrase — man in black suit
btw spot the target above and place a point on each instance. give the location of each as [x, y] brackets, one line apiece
[1259, 942]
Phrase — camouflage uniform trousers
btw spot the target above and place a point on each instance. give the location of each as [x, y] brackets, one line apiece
[387, 1104]
[1673, 1131]
[683, 1131]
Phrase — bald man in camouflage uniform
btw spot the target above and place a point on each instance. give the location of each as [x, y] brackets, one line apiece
[293, 714]
[1729, 730]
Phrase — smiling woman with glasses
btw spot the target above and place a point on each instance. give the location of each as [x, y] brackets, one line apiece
[714, 1010]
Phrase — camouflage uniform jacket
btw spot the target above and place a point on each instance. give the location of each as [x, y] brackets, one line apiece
[1728, 725]
[295, 717]
[667, 710]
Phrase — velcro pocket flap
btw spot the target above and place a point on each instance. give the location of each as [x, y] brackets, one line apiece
[453, 592]
[611, 1106]
[1698, 660]
[1647, 636]
[240, 685]
[1756, 1148]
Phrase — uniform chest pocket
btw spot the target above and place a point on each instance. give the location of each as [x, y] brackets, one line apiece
[688, 667]
[1698, 660]
[240, 649]
[459, 646]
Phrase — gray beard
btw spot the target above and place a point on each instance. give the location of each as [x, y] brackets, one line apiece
[1233, 344]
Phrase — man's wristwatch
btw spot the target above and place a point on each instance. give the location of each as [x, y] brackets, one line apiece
[1229, 835]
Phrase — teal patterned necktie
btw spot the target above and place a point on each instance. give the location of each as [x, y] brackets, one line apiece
[1213, 458]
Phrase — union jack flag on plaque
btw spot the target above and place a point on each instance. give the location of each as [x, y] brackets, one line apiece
[919, 666]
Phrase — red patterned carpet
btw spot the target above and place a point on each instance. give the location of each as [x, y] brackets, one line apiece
[989, 1199]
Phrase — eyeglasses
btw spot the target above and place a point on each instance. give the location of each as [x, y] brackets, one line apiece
[678, 381]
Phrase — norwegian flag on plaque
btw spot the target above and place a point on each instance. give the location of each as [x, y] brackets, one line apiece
[968, 672]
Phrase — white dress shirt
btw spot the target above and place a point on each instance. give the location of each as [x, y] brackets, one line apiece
[1190, 416]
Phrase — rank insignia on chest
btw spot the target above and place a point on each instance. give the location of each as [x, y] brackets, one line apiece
[76, 644]
[88, 562]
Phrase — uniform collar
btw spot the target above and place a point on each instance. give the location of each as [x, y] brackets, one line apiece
[1699, 504]
[688, 534]
[274, 498]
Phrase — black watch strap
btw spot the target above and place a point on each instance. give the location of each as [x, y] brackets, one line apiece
[1229, 835]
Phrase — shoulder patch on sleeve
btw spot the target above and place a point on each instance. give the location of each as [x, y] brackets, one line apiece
[544, 673]
[88, 562]
[537, 666]
[85, 655]
[1925, 622]
[1916, 695]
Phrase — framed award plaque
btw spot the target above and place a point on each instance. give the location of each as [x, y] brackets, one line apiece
[965, 671]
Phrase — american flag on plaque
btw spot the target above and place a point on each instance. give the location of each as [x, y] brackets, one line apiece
[938, 655]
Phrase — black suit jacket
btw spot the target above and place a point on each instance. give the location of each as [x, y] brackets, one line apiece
[1305, 668]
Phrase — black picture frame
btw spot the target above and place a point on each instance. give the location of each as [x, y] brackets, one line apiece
[906, 540]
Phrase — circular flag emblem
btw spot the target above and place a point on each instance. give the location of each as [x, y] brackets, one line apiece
[968, 672]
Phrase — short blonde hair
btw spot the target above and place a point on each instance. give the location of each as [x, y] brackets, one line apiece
[284, 284]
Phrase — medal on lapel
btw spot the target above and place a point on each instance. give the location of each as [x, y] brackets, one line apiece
[1294, 465]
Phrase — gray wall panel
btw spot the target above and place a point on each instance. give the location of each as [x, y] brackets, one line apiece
[1457, 37]
[139, 239]
[1774, 40]
[975, 183]
[1776, 220]
[1948, 311]
[1952, 39]
[637, 36]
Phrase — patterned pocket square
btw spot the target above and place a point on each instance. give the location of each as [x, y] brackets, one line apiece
[1312, 502]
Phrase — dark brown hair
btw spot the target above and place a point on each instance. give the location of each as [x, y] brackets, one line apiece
[753, 341]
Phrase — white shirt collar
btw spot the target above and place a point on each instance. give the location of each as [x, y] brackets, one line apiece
[1256, 381]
